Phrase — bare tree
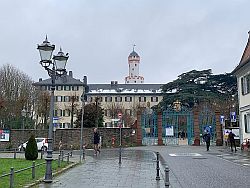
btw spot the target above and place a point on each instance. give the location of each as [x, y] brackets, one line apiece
[73, 107]
[17, 93]
[42, 107]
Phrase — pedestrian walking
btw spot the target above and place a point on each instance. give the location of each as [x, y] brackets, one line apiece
[206, 138]
[96, 141]
[232, 140]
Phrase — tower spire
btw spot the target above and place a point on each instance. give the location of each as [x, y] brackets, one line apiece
[134, 47]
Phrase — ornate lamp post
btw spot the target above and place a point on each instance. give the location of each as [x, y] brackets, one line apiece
[55, 67]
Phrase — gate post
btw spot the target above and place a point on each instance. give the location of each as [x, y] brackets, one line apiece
[218, 129]
[138, 129]
[159, 126]
[196, 128]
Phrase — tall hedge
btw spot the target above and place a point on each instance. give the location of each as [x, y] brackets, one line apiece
[31, 151]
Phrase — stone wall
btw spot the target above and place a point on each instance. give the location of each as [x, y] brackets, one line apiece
[72, 137]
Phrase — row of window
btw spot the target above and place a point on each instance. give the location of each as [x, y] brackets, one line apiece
[245, 84]
[61, 88]
[120, 99]
[67, 98]
[111, 113]
[62, 113]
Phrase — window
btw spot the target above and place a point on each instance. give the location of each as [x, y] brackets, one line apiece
[75, 88]
[66, 98]
[100, 99]
[107, 112]
[142, 99]
[247, 123]
[59, 88]
[108, 99]
[67, 113]
[55, 113]
[118, 99]
[245, 84]
[58, 98]
[66, 88]
[128, 99]
[128, 112]
[154, 99]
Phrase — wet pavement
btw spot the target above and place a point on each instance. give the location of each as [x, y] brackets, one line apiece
[138, 170]
[190, 166]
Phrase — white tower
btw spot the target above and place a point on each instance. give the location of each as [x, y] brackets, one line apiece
[133, 63]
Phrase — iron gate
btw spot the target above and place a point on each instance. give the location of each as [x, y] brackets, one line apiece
[149, 128]
[176, 121]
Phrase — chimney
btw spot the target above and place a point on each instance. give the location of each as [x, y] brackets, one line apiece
[71, 74]
[112, 83]
[40, 79]
[116, 82]
[85, 81]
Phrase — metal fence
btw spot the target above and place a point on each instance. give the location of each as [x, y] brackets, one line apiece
[11, 174]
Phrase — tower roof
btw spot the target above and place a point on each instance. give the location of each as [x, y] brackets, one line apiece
[133, 53]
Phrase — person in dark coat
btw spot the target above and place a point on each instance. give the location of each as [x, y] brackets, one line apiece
[232, 141]
[96, 141]
[206, 138]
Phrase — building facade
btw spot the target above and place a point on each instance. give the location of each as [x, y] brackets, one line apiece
[68, 92]
[242, 72]
[127, 99]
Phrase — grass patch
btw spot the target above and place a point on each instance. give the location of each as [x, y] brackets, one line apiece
[24, 177]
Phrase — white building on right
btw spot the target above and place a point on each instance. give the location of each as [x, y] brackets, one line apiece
[242, 72]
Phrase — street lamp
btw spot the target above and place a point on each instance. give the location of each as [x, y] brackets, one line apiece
[23, 113]
[57, 64]
[82, 151]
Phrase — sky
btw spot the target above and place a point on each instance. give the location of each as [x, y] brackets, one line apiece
[171, 36]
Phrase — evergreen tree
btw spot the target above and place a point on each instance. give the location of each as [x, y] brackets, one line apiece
[92, 113]
[195, 87]
[31, 151]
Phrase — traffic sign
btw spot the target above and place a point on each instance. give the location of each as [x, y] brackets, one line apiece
[119, 115]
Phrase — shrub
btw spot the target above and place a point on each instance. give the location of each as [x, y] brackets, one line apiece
[31, 151]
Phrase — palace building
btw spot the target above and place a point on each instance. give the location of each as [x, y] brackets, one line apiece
[113, 98]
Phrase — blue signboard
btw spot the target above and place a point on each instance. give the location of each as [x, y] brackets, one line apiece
[233, 116]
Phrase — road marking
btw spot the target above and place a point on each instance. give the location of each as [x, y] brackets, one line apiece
[185, 154]
[246, 164]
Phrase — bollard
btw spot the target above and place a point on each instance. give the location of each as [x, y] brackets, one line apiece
[59, 162]
[157, 167]
[71, 150]
[68, 158]
[42, 154]
[12, 177]
[167, 177]
[62, 155]
[42, 151]
[83, 152]
[33, 170]
[15, 153]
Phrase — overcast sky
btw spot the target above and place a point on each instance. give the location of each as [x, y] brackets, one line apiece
[171, 36]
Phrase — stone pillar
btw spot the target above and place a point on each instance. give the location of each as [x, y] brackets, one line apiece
[218, 128]
[138, 129]
[159, 125]
[196, 128]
